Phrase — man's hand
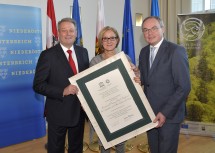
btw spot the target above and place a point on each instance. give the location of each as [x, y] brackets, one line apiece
[70, 89]
[136, 72]
[160, 118]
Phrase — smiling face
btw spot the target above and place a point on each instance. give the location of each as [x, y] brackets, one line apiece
[67, 34]
[109, 40]
[152, 31]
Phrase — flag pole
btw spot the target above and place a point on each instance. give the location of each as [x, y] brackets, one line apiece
[79, 41]
[154, 12]
[100, 24]
[51, 33]
[128, 43]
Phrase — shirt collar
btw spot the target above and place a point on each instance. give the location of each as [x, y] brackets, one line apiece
[158, 44]
[65, 49]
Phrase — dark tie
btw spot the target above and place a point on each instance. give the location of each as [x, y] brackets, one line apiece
[71, 62]
[152, 56]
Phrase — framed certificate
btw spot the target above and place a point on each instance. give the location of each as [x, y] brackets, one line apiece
[115, 104]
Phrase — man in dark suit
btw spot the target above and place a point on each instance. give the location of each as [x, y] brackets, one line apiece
[165, 76]
[64, 111]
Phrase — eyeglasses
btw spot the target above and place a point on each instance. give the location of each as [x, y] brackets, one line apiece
[153, 29]
[105, 39]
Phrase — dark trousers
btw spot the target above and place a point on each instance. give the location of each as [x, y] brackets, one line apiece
[57, 136]
[164, 139]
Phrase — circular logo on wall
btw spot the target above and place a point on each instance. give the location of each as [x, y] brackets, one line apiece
[192, 29]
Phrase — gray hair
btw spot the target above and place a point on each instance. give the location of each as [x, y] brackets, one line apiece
[156, 18]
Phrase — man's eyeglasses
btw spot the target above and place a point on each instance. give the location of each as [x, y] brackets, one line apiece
[105, 39]
[153, 29]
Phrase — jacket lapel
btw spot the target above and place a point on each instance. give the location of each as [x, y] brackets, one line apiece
[64, 60]
[78, 56]
[147, 59]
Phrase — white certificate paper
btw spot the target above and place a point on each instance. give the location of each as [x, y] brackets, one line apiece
[115, 104]
[113, 100]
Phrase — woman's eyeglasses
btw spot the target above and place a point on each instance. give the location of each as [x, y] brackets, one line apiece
[105, 39]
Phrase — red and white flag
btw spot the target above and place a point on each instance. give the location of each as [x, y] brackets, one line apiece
[51, 28]
[100, 23]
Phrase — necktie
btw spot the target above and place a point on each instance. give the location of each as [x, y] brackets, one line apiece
[71, 62]
[152, 56]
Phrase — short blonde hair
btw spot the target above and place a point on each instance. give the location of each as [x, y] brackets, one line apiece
[67, 20]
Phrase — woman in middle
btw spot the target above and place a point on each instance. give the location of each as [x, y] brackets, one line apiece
[108, 40]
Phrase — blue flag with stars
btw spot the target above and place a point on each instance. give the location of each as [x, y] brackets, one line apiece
[76, 17]
[128, 38]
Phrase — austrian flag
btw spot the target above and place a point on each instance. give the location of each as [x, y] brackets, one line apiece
[51, 28]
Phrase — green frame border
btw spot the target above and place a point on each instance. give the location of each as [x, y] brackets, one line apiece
[118, 64]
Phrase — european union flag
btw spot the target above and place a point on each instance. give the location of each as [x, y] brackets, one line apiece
[155, 8]
[128, 38]
[76, 17]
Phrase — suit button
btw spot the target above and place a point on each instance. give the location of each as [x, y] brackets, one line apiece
[147, 85]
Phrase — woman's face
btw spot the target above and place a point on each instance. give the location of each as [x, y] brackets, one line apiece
[109, 41]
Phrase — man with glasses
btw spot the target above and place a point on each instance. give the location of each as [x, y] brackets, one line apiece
[165, 76]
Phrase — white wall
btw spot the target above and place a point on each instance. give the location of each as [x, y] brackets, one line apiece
[114, 10]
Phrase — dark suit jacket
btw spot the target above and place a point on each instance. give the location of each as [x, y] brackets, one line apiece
[167, 83]
[51, 77]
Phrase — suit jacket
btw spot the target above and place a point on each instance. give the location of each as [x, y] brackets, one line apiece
[167, 83]
[51, 77]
